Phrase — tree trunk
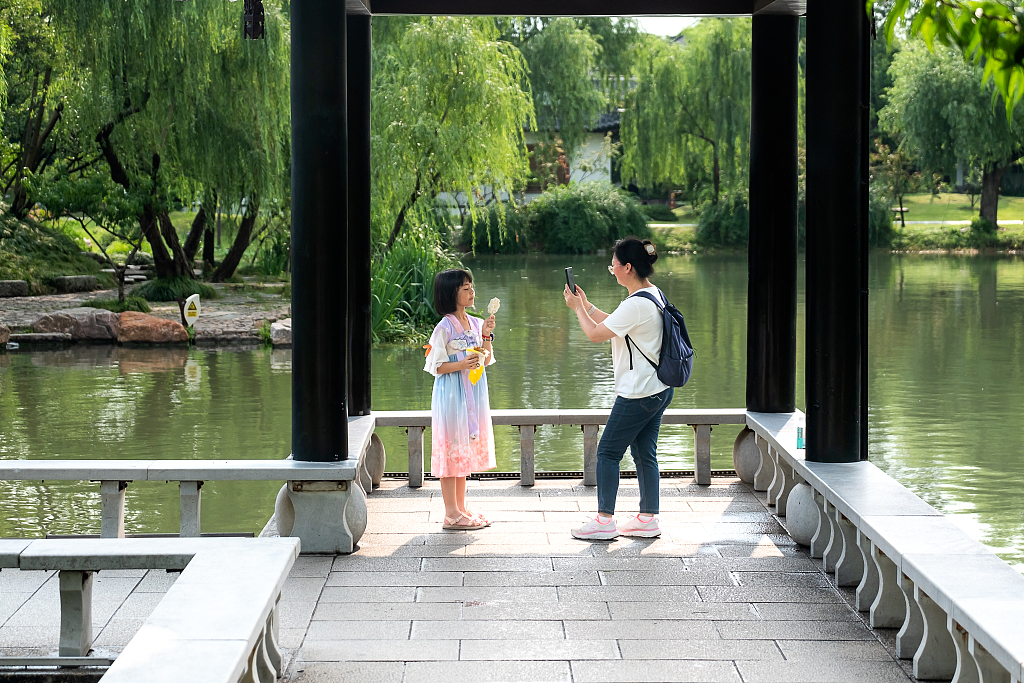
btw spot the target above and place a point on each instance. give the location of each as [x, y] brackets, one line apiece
[208, 248]
[234, 256]
[716, 173]
[182, 264]
[161, 258]
[990, 181]
[195, 233]
[31, 153]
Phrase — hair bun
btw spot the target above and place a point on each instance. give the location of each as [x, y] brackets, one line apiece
[652, 252]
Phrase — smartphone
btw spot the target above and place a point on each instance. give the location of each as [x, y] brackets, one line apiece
[569, 280]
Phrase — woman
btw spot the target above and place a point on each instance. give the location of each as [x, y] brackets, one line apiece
[462, 438]
[640, 397]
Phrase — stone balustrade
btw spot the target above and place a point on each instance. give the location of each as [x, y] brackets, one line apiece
[415, 421]
[360, 473]
[217, 624]
[959, 608]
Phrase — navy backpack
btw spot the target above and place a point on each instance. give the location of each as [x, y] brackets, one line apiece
[676, 350]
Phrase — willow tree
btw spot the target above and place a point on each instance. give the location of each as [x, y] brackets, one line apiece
[688, 119]
[563, 57]
[942, 108]
[447, 118]
[173, 101]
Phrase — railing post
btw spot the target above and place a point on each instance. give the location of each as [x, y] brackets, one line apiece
[590, 442]
[526, 451]
[112, 513]
[75, 613]
[191, 493]
[702, 454]
[415, 456]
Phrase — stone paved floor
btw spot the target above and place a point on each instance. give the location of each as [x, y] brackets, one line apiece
[724, 595]
[234, 317]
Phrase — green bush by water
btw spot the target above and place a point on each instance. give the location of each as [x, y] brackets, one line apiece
[580, 219]
[131, 303]
[36, 253]
[172, 289]
[659, 213]
[725, 224]
[485, 234]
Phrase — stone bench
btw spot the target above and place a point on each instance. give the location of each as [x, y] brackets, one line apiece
[360, 472]
[217, 623]
[415, 421]
[959, 608]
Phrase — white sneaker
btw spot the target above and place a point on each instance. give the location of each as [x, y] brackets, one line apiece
[633, 526]
[595, 530]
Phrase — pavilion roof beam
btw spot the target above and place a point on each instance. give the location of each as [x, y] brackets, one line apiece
[557, 8]
[357, 6]
[790, 7]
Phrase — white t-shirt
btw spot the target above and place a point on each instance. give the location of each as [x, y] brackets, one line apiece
[642, 321]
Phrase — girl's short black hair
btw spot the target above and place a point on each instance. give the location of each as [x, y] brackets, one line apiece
[446, 288]
[640, 254]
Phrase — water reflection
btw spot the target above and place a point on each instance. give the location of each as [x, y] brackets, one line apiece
[946, 390]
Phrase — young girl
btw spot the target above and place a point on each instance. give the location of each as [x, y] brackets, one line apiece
[462, 439]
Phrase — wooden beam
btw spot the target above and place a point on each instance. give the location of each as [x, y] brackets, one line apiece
[579, 8]
[357, 6]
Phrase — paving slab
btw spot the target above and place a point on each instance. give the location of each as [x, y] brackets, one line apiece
[655, 671]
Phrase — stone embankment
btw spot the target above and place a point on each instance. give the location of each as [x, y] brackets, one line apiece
[234, 318]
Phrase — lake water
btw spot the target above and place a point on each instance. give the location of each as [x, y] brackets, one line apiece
[946, 392]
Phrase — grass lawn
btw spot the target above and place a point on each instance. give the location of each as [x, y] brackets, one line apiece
[956, 207]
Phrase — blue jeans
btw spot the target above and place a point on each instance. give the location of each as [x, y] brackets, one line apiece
[633, 422]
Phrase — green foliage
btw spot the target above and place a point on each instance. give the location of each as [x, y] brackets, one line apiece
[725, 224]
[985, 32]
[687, 122]
[562, 55]
[402, 286]
[880, 223]
[581, 218]
[503, 229]
[659, 213]
[33, 252]
[447, 116]
[263, 332]
[132, 303]
[982, 232]
[172, 289]
[274, 253]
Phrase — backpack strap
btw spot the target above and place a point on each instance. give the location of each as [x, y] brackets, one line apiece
[661, 309]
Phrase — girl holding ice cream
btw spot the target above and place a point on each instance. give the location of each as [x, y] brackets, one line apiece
[462, 439]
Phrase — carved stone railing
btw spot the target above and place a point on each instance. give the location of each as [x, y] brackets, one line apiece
[959, 608]
[415, 421]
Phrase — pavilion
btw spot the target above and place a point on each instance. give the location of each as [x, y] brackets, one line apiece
[331, 207]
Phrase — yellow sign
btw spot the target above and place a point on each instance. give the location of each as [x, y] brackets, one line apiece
[192, 308]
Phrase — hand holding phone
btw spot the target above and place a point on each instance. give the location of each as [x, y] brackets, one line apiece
[569, 281]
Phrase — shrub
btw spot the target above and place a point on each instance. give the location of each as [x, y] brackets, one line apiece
[485, 233]
[725, 224]
[36, 253]
[131, 303]
[172, 289]
[659, 213]
[880, 224]
[581, 218]
[982, 233]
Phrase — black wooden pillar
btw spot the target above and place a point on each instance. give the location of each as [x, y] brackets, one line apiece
[837, 108]
[319, 231]
[359, 213]
[772, 246]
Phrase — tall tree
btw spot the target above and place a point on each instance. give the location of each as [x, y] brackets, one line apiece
[688, 119]
[447, 118]
[941, 106]
[986, 32]
[174, 101]
[563, 57]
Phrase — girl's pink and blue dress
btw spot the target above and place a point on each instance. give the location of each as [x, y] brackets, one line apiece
[462, 439]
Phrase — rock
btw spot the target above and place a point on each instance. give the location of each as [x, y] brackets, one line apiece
[746, 456]
[13, 288]
[142, 328]
[5, 334]
[802, 514]
[92, 324]
[76, 283]
[41, 338]
[281, 332]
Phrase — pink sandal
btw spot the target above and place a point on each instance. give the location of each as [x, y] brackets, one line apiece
[453, 524]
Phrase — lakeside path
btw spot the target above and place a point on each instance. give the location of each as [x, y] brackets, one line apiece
[234, 318]
[724, 595]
